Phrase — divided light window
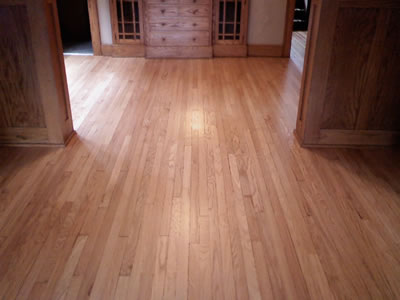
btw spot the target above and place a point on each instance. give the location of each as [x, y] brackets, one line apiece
[128, 20]
[229, 20]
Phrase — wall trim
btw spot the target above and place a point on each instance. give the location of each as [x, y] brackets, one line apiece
[352, 139]
[265, 50]
[123, 50]
[230, 50]
[140, 50]
[178, 52]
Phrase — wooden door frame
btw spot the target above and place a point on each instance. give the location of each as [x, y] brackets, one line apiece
[96, 39]
[287, 34]
[94, 26]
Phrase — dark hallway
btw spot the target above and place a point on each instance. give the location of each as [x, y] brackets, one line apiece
[75, 27]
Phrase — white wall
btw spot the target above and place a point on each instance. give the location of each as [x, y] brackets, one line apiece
[266, 22]
[105, 21]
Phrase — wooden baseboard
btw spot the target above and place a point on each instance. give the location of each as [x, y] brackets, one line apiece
[179, 52]
[123, 50]
[119, 50]
[230, 50]
[24, 136]
[354, 138]
[265, 50]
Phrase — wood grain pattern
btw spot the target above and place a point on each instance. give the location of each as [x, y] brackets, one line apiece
[20, 104]
[197, 38]
[298, 50]
[123, 50]
[377, 111]
[94, 27]
[355, 29]
[177, 24]
[179, 52]
[230, 50]
[34, 100]
[178, 29]
[288, 32]
[264, 50]
[184, 181]
[350, 75]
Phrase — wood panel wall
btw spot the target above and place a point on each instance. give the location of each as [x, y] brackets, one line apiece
[20, 105]
[350, 92]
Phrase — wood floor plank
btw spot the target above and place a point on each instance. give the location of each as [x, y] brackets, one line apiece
[185, 181]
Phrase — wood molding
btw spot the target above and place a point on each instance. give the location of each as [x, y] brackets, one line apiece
[287, 35]
[179, 52]
[94, 27]
[23, 135]
[308, 67]
[30, 137]
[230, 50]
[359, 137]
[64, 107]
[107, 50]
[120, 50]
[265, 50]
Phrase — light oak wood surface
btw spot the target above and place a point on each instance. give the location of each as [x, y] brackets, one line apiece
[350, 86]
[34, 99]
[297, 53]
[185, 181]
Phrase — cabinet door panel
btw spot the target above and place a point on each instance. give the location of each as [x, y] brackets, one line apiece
[20, 104]
[350, 90]
[34, 100]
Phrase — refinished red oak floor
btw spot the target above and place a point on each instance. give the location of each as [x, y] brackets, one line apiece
[185, 181]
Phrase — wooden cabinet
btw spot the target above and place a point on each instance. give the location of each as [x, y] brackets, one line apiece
[181, 28]
[350, 90]
[34, 101]
[178, 28]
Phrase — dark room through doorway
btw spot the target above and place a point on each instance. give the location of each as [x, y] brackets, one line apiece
[75, 27]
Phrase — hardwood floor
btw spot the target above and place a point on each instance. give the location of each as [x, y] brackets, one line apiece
[299, 41]
[185, 181]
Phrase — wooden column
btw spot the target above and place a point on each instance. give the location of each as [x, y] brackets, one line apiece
[94, 27]
[350, 89]
[34, 100]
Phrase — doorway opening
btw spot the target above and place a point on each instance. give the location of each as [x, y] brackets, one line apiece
[301, 16]
[75, 27]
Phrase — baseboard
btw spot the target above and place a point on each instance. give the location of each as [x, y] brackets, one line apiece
[179, 52]
[230, 50]
[119, 50]
[359, 137]
[23, 135]
[265, 50]
[334, 138]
